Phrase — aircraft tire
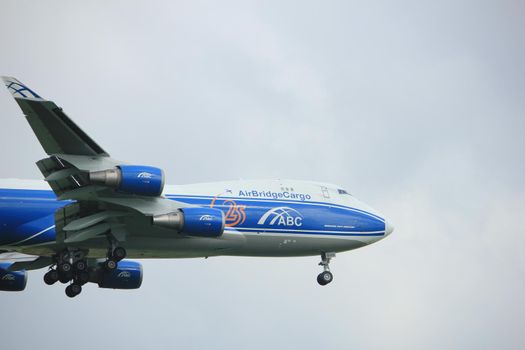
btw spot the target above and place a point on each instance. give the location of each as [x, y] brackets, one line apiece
[82, 277]
[64, 267]
[324, 278]
[80, 265]
[76, 288]
[119, 253]
[110, 265]
[64, 277]
[51, 277]
[73, 290]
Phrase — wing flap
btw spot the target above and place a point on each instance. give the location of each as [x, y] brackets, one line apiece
[88, 233]
[91, 220]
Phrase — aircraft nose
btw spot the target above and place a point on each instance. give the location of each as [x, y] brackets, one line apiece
[389, 228]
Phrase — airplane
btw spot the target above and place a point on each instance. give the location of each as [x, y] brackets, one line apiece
[93, 213]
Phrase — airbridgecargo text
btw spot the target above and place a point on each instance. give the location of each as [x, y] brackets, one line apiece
[274, 195]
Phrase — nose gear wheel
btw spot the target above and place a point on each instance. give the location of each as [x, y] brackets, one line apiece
[326, 276]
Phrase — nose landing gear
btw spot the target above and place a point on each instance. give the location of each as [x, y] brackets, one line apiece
[326, 276]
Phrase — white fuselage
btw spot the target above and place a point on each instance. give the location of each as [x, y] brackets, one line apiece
[263, 218]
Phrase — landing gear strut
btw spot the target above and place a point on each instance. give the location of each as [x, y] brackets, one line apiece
[326, 276]
[115, 254]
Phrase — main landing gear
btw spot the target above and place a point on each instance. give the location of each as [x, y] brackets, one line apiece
[115, 254]
[71, 267]
[326, 276]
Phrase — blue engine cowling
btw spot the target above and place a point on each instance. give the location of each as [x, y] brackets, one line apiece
[128, 275]
[141, 180]
[135, 179]
[203, 222]
[193, 221]
[12, 281]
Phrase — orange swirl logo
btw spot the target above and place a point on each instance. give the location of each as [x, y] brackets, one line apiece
[234, 215]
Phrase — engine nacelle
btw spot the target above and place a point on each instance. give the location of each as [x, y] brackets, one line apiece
[197, 221]
[12, 281]
[135, 179]
[128, 275]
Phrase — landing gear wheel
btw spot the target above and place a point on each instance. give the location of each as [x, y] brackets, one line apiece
[80, 265]
[110, 265]
[64, 277]
[64, 267]
[51, 277]
[119, 253]
[76, 288]
[73, 290]
[82, 277]
[324, 278]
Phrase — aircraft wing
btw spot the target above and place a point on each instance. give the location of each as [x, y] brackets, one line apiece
[18, 261]
[56, 132]
[79, 170]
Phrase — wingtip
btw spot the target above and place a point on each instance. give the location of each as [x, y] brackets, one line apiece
[7, 79]
[18, 89]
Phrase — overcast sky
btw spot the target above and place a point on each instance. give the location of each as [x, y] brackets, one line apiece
[416, 107]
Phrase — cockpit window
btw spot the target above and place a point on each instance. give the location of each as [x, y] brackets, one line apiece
[341, 191]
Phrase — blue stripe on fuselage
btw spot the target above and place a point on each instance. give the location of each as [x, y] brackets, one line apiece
[299, 217]
[182, 197]
[27, 216]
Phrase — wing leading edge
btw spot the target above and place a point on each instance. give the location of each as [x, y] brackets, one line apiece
[55, 131]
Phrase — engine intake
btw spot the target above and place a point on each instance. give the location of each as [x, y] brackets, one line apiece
[12, 281]
[134, 179]
[127, 275]
[200, 222]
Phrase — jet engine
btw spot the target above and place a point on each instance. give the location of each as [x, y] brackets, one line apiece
[12, 281]
[195, 221]
[127, 275]
[134, 179]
